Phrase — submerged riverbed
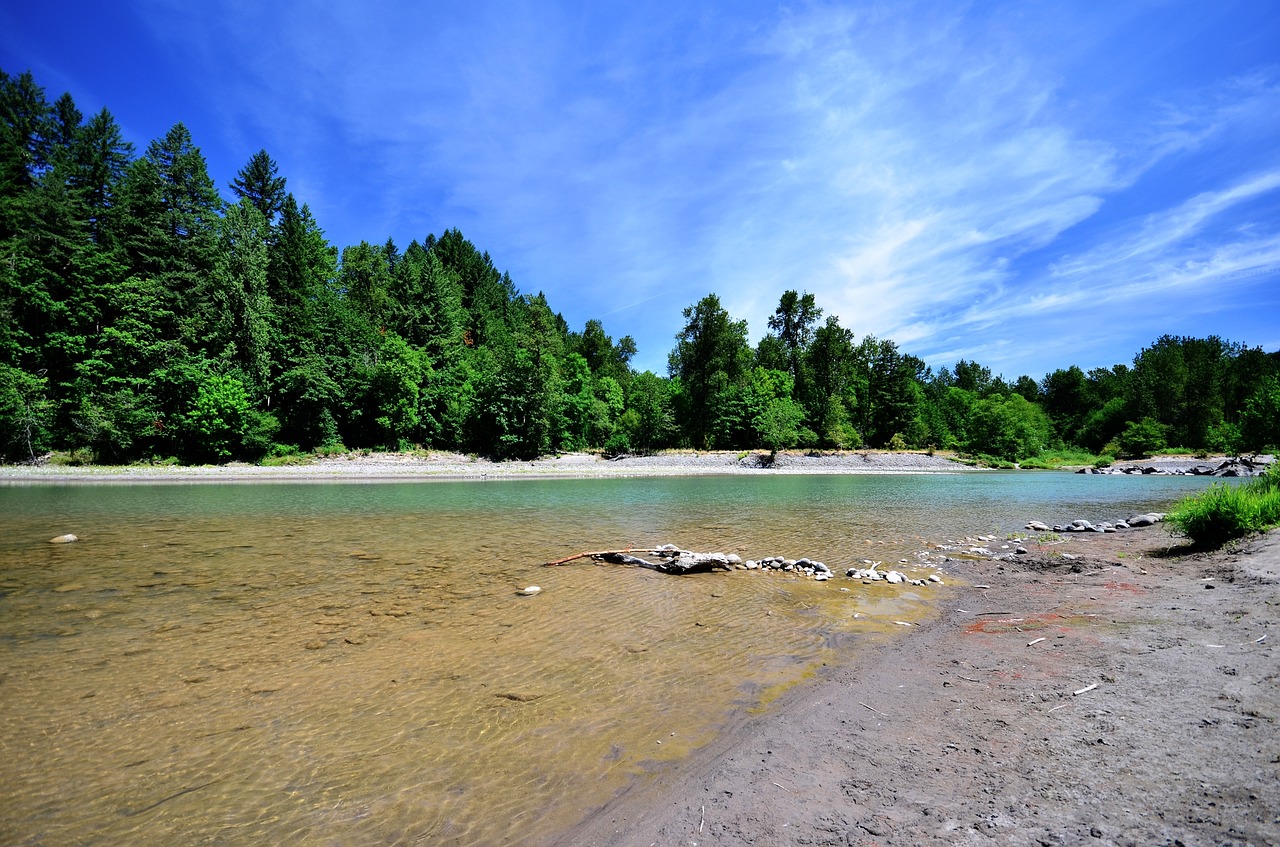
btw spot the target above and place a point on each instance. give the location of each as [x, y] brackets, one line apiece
[350, 663]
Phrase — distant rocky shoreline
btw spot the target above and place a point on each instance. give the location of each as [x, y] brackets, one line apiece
[456, 466]
[1233, 466]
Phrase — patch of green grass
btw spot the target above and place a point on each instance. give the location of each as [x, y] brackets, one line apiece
[72, 459]
[983, 460]
[1065, 457]
[1176, 451]
[1226, 512]
[328, 451]
[287, 460]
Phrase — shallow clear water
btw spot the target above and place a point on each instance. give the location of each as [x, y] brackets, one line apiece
[350, 663]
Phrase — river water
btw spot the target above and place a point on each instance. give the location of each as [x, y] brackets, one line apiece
[351, 664]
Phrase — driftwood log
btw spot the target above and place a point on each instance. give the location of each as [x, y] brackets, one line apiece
[668, 559]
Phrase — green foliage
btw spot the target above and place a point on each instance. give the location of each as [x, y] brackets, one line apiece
[1260, 417]
[25, 414]
[1142, 438]
[126, 281]
[711, 357]
[1009, 428]
[778, 424]
[1226, 512]
[222, 425]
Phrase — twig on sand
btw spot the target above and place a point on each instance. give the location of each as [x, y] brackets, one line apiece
[703, 820]
[783, 787]
[1087, 688]
[1035, 642]
[865, 706]
[1056, 708]
[577, 556]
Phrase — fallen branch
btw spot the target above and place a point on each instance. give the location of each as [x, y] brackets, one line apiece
[671, 560]
[577, 556]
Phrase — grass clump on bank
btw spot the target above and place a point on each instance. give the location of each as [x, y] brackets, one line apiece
[1225, 512]
[1063, 458]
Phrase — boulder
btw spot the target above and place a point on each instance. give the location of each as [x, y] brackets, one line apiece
[63, 539]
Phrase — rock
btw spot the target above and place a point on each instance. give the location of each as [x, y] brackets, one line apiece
[1121, 525]
[934, 578]
[822, 576]
[694, 563]
[63, 539]
[1022, 551]
[894, 578]
[733, 559]
[1081, 525]
[821, 568]
[529, 591]
[1037, 526]
[750, 565]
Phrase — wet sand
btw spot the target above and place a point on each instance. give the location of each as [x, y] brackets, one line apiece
[1107, 689]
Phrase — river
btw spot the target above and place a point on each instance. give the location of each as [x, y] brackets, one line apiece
[351, 663]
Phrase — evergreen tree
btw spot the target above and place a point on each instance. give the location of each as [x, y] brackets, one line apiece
[711, 354]
[259, 182]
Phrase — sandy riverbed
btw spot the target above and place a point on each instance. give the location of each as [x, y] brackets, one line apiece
[966, 730]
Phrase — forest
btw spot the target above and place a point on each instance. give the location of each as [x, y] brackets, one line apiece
[146, 317]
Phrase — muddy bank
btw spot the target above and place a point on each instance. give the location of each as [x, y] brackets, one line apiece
[1102, 689]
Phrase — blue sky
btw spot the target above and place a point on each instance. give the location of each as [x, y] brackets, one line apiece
[1026, 184]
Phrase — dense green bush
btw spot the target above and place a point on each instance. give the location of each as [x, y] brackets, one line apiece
[1226, 512]
[1141, 438]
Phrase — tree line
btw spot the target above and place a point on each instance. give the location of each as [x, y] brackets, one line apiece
[143, 316]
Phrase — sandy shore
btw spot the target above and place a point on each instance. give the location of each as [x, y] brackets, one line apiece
[1104, 689]
[453, 466]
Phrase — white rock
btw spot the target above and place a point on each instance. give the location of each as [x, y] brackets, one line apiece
[63, 539]
[895, 578]
[529, 591]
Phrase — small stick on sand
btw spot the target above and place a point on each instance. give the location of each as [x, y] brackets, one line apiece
[703, 820]
[865, 706]
[1084, 690]
[783, 787]
[577, 556]
[1034, 643]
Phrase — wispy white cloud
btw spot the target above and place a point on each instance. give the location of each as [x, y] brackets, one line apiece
[933, 174]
